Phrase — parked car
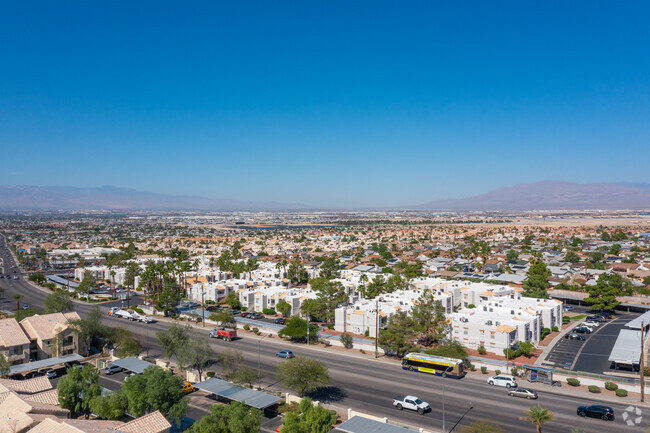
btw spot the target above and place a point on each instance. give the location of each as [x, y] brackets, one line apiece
[187, 388]
[503, 380]
[32, 374]
[255, 315]
[279, 321]
[597, 318]
[51, 374]
[608, 316]
[523, 392]
[597, 411]
[25, 307]
[569, 308]
[112, 368]
[591, 324]
[582, 330]
[411, 402]
[574, 336]
[243, 314]
[285, 354]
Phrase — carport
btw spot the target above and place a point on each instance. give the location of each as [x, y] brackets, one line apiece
[49, 362]
[626, 353]
[223, 389]
[133, 364]
[358, 424]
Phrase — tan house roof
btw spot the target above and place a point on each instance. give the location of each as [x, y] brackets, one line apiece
[154, 422]
[28, 386]
[47, 326]
[11, 334]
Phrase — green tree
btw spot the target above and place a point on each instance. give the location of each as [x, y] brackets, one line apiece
[302, 374]
[310, 419]
[330, 295]
[538, 416]
[536, 283]
[168, 299]
[77, 389]
[296, 329]
[90, 330]
[88, 283]
[398, 336]
[17, 297]
[429, 317]
[22, 313]
[223, 317]
[126, 342]
[512, 255]
[235, 417]
[232, 301]
[602, 296]
[111, 407]
[173, 339]
[284, 307]
[58, 302]
[155, 389]
[614, 249]
[246, 376]
[571, 257]
[4, 366]
[196, 353]
[131, 272]
[330, 269]
[231, 361]
[296, 272]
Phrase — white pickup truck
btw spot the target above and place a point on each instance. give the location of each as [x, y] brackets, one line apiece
[411, 402]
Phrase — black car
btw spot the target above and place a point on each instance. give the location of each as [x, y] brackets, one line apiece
[279, 321]
[582, 330]
[597, 411]
[33, 374]
[597, 318]
[574, 336]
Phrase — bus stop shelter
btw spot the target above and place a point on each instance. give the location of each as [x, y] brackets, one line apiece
[228, 391]
[539, 374]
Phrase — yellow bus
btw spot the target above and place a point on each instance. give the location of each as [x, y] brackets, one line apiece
[432, 364]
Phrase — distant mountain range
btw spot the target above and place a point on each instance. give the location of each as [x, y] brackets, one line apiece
[552, 195]
[111, 198]
[545, 195]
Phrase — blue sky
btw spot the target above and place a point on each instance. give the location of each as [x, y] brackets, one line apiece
[332, 104]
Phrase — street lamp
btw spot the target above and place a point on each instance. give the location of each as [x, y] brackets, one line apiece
[203, 304]
[259, 361]
[444, 375]
[376, 327]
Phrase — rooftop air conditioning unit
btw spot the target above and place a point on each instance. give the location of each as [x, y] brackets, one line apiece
[489, 322]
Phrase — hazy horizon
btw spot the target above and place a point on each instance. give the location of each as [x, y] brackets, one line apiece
[370, 104]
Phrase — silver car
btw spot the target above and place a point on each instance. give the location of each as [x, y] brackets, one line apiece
[524, 393]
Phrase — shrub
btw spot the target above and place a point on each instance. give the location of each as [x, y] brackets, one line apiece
[330, 326]
[471, 306]
[555, 329]
[621, 392]
[269, 311]
[472, 367]
[545, 332]
[573, 382]
[247, 327]
[243, 309]
[611, 386]
[346, 340]
[514, 370]
[481, 350]
[484, 369]
[362, 351]
[367, 333]
[210, 302]
[256, 331]
[646, 371]
[565, 319]
[497, 372]
[210, 374]
[594, 389]
[138, 310]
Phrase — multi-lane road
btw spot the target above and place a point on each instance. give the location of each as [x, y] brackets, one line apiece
[369, 385]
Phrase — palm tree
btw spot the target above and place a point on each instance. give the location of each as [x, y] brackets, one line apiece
[18, 297]
[538, 415]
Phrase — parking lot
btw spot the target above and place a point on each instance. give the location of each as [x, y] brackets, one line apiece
[592, 354]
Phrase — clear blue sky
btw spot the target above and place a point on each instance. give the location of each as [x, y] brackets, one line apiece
[324, 103]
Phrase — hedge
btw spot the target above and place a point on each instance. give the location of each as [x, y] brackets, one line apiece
[482, 350]
[573, 382]
[138, 310]
[484, 369]
[621, 392]
[269, 311]
[611, 386]
[594, 389]
[497, 372]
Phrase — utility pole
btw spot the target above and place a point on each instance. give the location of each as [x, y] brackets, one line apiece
[307, 327]
[642, 364]
[376, 327]
[203, 302]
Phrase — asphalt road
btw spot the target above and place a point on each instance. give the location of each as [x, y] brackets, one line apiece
[369, 385]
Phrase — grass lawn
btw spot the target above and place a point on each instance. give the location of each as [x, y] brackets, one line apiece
[577, 317]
